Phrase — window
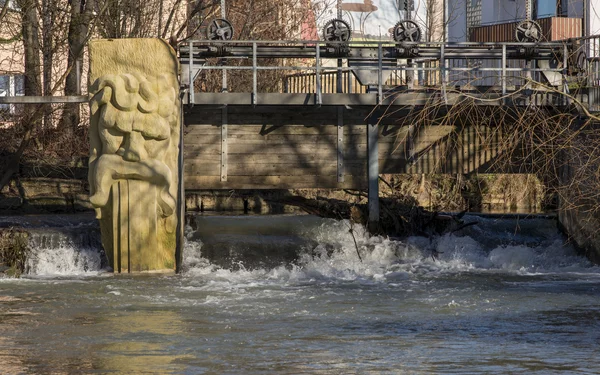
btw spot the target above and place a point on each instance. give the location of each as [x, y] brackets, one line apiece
[473, 13]
[11, 86]
[550, 8]
[546, 8]
[403, 4]
[11, 4]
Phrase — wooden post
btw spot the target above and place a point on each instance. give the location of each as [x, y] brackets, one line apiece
[373, 173]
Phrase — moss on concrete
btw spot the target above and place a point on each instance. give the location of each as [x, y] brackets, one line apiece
[13, 251]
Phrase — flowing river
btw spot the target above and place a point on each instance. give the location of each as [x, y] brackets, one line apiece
[289, 295]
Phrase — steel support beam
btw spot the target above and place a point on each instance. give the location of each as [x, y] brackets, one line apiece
[340, 144]
[373, 173]
[224, 145]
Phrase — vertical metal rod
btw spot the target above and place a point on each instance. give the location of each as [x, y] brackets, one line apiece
[373, 173]
[254, 74]
[443, 71]
[503, 73]
[350, 88]
[225, 86]
[318, 76]
[340, 144]
[380, 73]
[191, 95]
[565, 100]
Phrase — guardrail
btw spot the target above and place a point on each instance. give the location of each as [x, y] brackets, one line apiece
[318, 67]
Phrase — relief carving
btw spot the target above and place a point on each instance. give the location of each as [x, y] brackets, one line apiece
[134, 145]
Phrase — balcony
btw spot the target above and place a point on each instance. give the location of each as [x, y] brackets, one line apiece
[553, 29]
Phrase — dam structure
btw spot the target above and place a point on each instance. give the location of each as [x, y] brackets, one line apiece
[336, 114]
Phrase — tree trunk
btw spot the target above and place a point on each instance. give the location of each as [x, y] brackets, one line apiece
[81, 14]
[31, 46]
[48, 19]
[33, 86]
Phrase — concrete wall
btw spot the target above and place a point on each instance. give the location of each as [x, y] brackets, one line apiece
[579, 202]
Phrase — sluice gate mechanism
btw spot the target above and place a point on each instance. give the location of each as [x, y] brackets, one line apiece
[338, 112]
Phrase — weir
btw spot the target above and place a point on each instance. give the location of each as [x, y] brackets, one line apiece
[316, 114]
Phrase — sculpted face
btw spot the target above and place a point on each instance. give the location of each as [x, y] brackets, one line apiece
[135, 118]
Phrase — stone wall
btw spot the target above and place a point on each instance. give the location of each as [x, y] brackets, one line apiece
[499, 193]
[582, 229]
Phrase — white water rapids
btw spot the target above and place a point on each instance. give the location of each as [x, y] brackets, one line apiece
[326, 249]
[289, 295]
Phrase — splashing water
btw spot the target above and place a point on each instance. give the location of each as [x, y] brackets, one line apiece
[330, 253]
[319, 249]
[64, 251]
[502, 296]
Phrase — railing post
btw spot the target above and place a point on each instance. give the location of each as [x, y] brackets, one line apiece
[339, 77]
[503, 74]
[350, 88]
[191, 94]
[443, 72]
[565, 100]
[224, 86]
[380, 73]
[318, 99]
[254, 74]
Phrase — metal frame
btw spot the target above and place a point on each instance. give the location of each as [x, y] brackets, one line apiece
[451, 61]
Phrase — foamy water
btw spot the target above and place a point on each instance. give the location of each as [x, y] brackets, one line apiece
[502, 296]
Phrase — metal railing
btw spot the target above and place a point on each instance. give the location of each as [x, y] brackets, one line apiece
[312, 67]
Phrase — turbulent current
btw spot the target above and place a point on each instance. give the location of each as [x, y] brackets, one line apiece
[302, 295]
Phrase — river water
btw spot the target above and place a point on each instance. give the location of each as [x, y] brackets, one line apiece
[503, 296]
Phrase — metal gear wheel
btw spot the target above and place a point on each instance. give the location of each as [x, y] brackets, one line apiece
[581, 62]
[528, 31]
[407, 31]
[337, 30]
[219, 29]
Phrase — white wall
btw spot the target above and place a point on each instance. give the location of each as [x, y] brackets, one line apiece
[501, 11]
[456, 18]
[593, 17]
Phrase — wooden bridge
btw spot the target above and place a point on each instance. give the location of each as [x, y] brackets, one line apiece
[351, 112]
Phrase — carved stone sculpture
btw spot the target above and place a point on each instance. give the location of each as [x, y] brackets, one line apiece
[134, 146]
